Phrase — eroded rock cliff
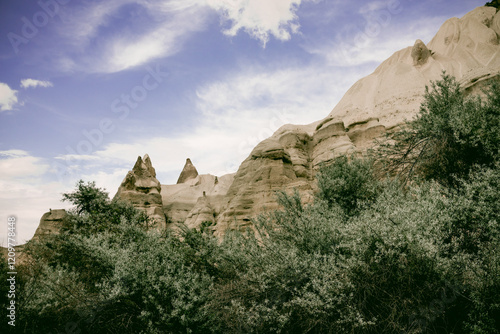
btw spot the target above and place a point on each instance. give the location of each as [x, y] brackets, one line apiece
[467, 48]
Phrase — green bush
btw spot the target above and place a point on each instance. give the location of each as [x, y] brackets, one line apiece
[93, 211]
[347, 183]
[367, 256]
[450, 135]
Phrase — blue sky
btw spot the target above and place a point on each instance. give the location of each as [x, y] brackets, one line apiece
[87, 86]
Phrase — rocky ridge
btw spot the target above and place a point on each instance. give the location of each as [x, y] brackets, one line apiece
[467, 48]
[188, 172]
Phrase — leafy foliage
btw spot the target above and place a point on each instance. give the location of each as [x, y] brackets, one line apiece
[93, 211]
[367, 256]
[450, 135]
[349, 184]
[493, 3]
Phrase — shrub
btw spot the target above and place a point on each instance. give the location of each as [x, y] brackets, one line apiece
[450, 135]
[347, 183]
[93, 211]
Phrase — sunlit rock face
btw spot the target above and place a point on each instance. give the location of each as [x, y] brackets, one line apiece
[50, 223]
[467, 48]
[197, 200]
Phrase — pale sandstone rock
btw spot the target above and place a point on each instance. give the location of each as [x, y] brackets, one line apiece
[181, 201]
[495, 24]
[141, 189]
[467, 48]
[420, 53]
[50, 223]
[188, 172]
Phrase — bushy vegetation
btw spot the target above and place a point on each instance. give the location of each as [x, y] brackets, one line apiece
[369, 255]
[451, 135]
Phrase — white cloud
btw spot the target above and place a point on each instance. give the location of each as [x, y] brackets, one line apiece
[161, 41]
[235, 114]
[8, 97]
[260, 18]
[25, 192]
[22, 167]
[93, 47]
[81, 157]
[26, 83]
[13, 153]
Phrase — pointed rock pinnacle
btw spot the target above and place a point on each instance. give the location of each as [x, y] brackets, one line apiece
[188, 172]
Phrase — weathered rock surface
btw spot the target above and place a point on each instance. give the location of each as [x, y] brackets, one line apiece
[51, 223]
[141, 189]
[188, 172]
[420, 53]
[196, 200]
[467, 48]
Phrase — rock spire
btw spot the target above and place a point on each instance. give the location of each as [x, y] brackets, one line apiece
[188, 172]
[141, 188]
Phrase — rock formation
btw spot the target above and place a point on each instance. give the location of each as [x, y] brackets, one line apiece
[141, 188]
[196, 200]
[188, 172]
[467, 48]
[420, 53]
[50, 223]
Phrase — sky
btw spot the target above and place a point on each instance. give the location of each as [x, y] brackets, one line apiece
[87, 86]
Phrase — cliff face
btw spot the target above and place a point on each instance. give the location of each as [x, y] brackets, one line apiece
[50, 223]
[467, 48]
[197, 200]
[188, 172]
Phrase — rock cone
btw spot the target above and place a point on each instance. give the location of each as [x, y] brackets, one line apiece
[141, 188]
[188, 172]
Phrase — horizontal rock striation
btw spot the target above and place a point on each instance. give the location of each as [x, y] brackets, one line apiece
[467, 48]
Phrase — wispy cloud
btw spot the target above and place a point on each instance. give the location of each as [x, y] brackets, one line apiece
[260, 18]
[373, 42]
[25, 192]
[8, 97]
[13, 154]
[236, 112]
[112, 36]
[26, 83]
